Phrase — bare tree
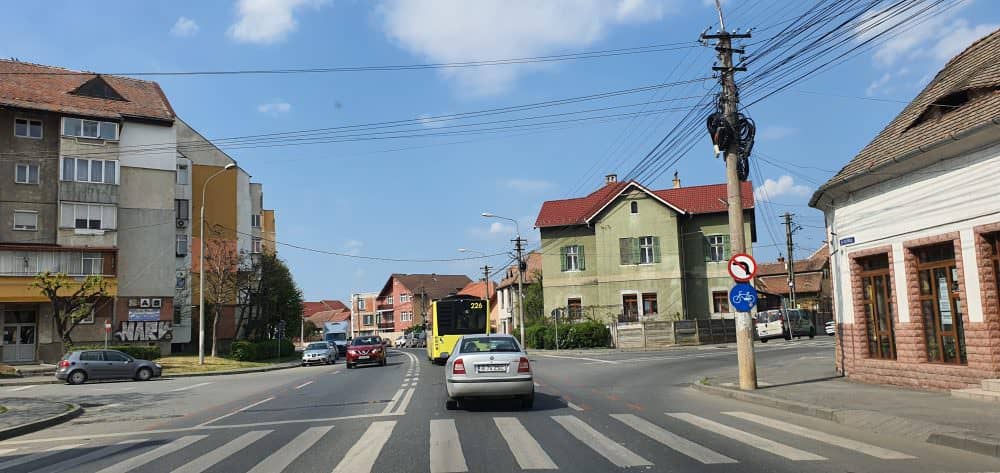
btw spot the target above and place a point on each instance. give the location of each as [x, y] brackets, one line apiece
[72, 299]
[222, 281]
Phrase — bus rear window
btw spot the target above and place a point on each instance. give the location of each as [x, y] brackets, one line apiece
[461, 318]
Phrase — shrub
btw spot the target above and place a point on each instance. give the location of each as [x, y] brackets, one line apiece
[142, 352]
[588, 334]
[263, 350]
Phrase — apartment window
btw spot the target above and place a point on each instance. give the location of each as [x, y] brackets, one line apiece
[642, 250]
[388, 300]
[90, 129]
[720, 302]
[256, 245]
[572, 258]
[87, 216]
[406, 316]
[574, 308]
[90, 170]
[25, 128]
[25, 220]
[941, 303]
[649, 304]
[403, 298]
[183, 209]
[368, 319]
[178, 316]
[876, 295]
[26, 174]
[182, 174]
[630, 307]
[182, 245]
[255, 220]
[361, 304]
[93, 263]
[717, 248]
[633, 207]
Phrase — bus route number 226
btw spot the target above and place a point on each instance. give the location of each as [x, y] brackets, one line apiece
[475, 305]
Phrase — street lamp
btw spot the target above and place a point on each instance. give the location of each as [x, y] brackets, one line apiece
[520, 272]
[201, 267]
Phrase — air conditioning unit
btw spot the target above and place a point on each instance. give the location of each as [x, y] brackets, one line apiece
[157, 303]
[182, 223]
[144, 303]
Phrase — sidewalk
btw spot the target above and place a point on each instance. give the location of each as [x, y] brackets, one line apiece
[23, 416]
[809, 385]
[31, 380]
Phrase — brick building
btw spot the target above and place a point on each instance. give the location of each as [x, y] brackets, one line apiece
[405, 299]
[914, 226]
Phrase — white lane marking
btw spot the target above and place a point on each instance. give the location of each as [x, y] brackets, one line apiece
[37, 456]
[824, 437]
[595, 360]
[22, 388]
[144, 458]
[401, 408]
[237, 411]
[4, 451]
[526, 450]
[769, 446]
[446, 449]
[285, 455]
[106, 406]
[307, 383]
[185, 388]
[98, 454]
[537, 385]
[614, 452]
[672, 440]
[362, 455]
[574, 406]
[209, 459]
[393, 401]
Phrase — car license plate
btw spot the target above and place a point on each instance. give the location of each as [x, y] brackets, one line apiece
[363, 357]
[492, 368]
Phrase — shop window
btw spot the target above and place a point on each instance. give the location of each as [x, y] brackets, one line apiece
[941, 304]
[876, 289]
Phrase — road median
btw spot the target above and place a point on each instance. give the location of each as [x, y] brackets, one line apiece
[26, 415]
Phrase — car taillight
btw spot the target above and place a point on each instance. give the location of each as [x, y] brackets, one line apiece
[459, 367]
[64, 364]
[523, 366]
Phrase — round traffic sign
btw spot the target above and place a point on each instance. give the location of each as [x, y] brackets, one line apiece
[742, 267]
[743, 297]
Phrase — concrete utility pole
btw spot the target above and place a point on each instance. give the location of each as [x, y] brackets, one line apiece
[729, 101]
[486, 280]
[521, 267]
[791, 260]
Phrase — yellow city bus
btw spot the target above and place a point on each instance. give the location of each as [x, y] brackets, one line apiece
[451, 318]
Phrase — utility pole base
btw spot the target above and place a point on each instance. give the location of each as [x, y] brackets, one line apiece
[744, 351]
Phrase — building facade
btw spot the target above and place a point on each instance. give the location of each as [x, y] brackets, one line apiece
[507, 295]
[914, 224]
[813, 289]
[627, 253]
[405, 299]
[363, 314]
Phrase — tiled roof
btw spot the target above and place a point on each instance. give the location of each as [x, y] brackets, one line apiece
[435, 286]
[334, 304]
[809, 282]
[534, 261]
[322, 316]
[477, 289]
[814, 263]
[310, 308]
[33, 86]
[921, 123]
[692, 200]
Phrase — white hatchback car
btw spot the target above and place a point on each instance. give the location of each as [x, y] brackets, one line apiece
[488, 366]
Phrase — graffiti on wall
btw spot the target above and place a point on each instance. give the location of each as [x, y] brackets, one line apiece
[159, 330]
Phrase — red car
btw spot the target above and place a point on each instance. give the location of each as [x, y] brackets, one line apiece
[366, 350]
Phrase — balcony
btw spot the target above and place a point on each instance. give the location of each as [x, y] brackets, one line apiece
[28, 262]
[382, 307]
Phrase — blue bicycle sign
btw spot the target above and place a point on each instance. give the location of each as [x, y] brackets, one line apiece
[743, 297]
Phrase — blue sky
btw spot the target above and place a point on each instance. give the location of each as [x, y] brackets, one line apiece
[371, 198]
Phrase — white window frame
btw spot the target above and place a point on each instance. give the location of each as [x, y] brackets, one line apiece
[717, 246]
[255, 220]
[646, 248]
[99, 126]
[388, 300]
[76, 206]
[89, 167]
[27, 173]
[361, 304]
[88, 257]
[404, 298]
[573, 258]
[24, 228]
[183, 175]
[41, 128]
[256, 245]
[406, 316]
[181, 243]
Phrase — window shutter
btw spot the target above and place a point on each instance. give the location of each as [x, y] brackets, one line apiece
[656, 249]
[636, 258]
[625, 250]
[580, 258]
[563, 265]
[727, 253]
[707, 248]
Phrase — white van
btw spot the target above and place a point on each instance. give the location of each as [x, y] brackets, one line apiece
[782, 323]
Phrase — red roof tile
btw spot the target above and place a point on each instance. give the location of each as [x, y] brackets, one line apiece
[329, 316]
[38, 87]
[693, 200]
[310, 308]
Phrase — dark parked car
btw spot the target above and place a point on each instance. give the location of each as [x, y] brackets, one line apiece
[76, 367]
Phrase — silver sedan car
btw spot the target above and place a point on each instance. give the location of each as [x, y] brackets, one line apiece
[488, 366]
[319, 352]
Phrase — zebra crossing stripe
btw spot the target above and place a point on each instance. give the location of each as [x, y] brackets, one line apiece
[831, 439]
[98, 454]
[672, 440]
[606, 447]
[285, 455]
[526, 450]
[209, 459]
[361, 457]
[446, 449]
[752, 440]
[144, 458]
[37, 456]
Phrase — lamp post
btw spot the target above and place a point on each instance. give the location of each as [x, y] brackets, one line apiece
[201, 267]
[520, 272]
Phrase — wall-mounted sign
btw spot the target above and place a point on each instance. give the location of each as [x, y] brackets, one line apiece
[143, 315]
[847, 241]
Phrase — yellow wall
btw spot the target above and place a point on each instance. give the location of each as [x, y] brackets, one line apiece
[268, 231]
[220, 197]
[18, 289]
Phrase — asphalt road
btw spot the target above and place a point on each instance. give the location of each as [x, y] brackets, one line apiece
[593, 413]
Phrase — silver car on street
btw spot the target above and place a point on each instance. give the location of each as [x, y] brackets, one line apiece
[76, 367]
[488, 366]
[319, 352]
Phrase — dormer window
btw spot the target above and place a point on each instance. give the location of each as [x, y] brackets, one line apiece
[79, 127]
[951, 102]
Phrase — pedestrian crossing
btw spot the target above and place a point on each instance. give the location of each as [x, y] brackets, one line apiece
[534, 441]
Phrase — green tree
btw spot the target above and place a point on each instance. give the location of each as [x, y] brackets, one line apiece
[277, 298]
[72, 299]
[534, 302]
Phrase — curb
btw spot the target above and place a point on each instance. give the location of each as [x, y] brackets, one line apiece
[228, 372]
[968, 440]
[21, 382]
[72, 410]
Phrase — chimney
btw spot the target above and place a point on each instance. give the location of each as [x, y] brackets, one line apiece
[781, 259]
[611, 179]
[677, 181]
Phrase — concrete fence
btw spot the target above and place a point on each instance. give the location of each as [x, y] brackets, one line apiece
[661, 334]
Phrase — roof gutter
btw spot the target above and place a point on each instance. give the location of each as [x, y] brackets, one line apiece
[952, 137]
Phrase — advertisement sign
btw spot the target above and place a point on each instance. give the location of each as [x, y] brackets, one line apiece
[143, 315]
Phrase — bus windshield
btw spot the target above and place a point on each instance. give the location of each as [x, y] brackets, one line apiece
[461, 317]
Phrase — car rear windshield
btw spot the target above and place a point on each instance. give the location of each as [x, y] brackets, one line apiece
[489, 345]
[366, 341]
[317, 346]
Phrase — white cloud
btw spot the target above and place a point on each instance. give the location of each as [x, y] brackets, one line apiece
[267, 21]
[784, 186]
[958, 37]
[464, 30]
[353, 247]
[275, 107]
[184, 27]
[527, 185]
[777, 132]
[939, 36]
[878, 84]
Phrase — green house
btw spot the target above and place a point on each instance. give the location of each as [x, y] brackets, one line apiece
[625, 252]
